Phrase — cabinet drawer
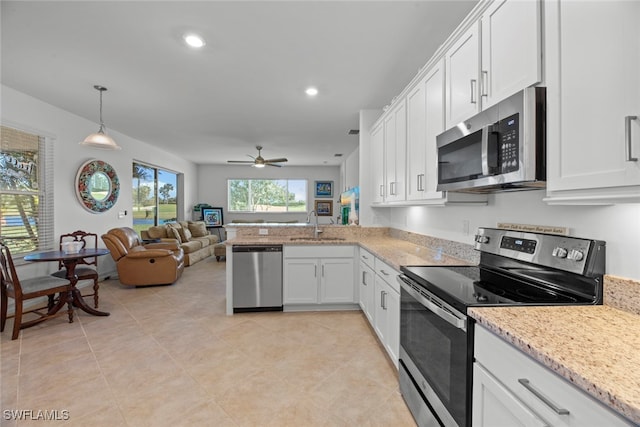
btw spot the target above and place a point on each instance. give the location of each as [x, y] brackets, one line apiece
[367, 257]
[533, 383]
[318, 251]
[387, 273]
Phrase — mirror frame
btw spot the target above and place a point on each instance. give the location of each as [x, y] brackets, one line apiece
[83, 191]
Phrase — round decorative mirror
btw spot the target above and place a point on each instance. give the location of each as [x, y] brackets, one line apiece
[97, 186]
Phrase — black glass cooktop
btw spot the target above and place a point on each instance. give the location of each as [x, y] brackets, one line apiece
[467, 286]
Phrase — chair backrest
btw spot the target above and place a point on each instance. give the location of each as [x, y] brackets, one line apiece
[120, 240]
[8, 276]
[89, 241]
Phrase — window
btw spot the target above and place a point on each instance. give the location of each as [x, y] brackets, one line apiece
[26, 191]
[267, 195]
[154, 196]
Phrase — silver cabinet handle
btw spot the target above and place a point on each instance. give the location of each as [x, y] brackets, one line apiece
[485, 84]
[322, 270]
[381, 190]
[383, 300]
[384, 272]
[363, 281]
[526, 384]
[421, 182]
[627, 136]
[473, 91]
[315, 270]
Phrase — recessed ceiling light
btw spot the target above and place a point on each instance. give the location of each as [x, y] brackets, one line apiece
[311, 91]
[194, 40]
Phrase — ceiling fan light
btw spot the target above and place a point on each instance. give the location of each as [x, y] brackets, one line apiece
[258, 165]
[100, 140]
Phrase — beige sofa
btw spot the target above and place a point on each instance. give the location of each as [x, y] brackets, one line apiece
[192, 236]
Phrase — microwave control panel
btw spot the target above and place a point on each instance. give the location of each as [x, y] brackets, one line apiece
[509, 143]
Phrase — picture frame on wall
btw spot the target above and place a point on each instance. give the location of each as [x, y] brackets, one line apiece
[212, 217]
[323, 189]
[324, 207]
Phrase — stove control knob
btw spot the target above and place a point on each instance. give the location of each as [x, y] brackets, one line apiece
[575, 255]
[481, 298]
[559, 252]
[482, 239]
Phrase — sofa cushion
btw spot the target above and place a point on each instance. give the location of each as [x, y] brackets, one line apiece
[191, 246]
[158, 232]
[198, 229]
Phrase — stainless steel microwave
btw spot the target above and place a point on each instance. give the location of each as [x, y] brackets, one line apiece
[503, 148]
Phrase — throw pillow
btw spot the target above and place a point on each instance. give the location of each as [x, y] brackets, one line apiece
[198, 229]
[175, 234]
[185, 234]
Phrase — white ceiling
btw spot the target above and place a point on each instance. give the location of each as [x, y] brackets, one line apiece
[244, 88]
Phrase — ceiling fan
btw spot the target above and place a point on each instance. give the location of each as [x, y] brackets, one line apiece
[259, 162]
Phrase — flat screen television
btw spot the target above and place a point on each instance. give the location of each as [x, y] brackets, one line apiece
[212, 217]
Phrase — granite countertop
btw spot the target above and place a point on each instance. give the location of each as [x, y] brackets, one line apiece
[395, 252]
[597, 348]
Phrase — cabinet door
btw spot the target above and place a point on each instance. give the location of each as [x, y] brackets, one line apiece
[337, 281]
[494, 405]
[301, 281]
[462, 67]
[392, 307]
[592, 141]
[395, 143]
[511, 49]
[377, 163]
[366, 285]
[434, 111]
[416, 142]
[380, 314]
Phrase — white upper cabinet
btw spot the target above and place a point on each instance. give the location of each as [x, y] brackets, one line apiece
[395, 149]
[511, 57]
[593, 87]
[497, 56]
[377, 163]
[463, 68]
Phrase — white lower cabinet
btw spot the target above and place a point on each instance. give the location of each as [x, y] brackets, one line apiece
[512, 389]
[319, 275]
[386, 310]
[366, 293]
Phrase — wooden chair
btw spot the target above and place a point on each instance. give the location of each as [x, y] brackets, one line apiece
[27, 289]
[87, 268]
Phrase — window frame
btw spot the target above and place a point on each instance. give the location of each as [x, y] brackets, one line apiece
[44, 221]
[157, 197]
[286, 211]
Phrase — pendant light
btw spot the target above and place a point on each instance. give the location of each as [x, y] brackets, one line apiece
[100, 139]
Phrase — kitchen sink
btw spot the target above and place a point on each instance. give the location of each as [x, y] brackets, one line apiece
[318, 239]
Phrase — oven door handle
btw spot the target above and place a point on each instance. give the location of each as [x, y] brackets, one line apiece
[450, 318]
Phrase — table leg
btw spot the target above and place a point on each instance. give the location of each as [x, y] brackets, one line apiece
[78, 301]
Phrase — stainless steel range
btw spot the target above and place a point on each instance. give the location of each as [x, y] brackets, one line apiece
[436, 336]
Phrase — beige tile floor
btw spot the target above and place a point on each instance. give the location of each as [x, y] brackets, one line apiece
[169, 356]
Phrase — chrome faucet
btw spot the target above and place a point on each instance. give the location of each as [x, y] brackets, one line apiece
[316, 230]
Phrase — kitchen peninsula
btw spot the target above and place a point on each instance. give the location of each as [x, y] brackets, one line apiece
[587, 361]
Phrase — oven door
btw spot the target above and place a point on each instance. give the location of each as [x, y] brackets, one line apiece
[436, 350]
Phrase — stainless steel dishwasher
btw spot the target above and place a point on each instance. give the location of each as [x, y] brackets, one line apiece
[257, 278]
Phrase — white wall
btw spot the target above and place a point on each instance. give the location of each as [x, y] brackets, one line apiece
[28, 113]
[213, 188]
[618, 225]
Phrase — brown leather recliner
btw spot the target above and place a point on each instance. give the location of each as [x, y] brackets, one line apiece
[143, 265]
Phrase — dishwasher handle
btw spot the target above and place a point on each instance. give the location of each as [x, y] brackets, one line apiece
[256, 248]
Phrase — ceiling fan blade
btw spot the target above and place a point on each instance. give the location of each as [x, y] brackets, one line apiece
[241, 161]
[281, 160]
[273, 164]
